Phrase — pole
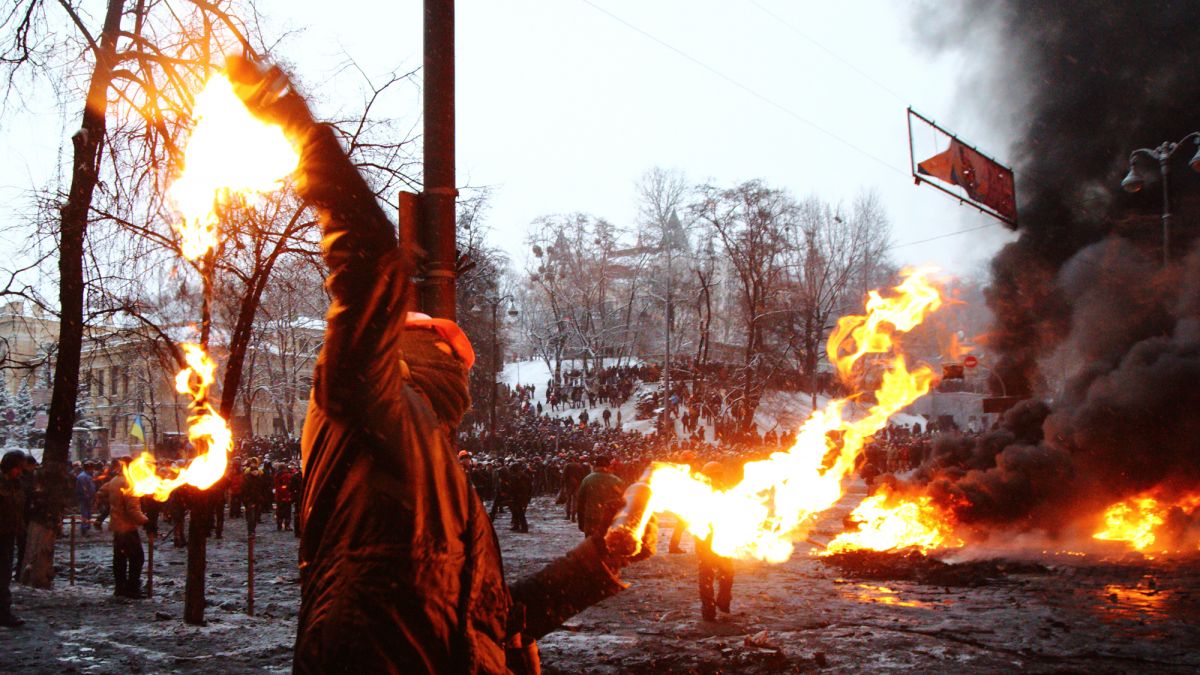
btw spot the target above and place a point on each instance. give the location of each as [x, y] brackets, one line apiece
[1163, 161]
[492, 402]
[72, 576]
[437, 236]
[667, 368]
[250, 569]
[150, 537]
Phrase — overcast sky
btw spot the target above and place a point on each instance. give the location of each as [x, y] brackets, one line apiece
[563, 104]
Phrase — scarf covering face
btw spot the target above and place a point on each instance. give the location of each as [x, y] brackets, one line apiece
[435, 369]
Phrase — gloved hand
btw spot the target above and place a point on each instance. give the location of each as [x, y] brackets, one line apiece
[614, 560]
[268, 93]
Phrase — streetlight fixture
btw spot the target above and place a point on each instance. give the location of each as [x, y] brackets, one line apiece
[1138, 178]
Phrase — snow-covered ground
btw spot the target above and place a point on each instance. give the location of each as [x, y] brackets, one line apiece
[1077, 614]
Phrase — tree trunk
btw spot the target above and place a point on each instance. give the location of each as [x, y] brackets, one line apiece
[197, 563]
[73, 230]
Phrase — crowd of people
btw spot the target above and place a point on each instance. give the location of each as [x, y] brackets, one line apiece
[584, 464]
[609, 386]
[263, 479]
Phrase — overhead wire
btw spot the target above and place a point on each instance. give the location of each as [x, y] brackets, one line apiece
[788, 111]
[942, 236]
[749, 90]
[832, 54]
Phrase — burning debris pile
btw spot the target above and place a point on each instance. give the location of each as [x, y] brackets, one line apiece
[1103, 453]
[912, 565]
[1112, 457]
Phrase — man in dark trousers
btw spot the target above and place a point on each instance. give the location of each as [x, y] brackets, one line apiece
[520, 491]
[573, 474]
[126, 516]
[12, 512]
[713, 567]
[400, 568]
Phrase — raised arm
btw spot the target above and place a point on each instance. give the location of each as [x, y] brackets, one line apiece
[368, 272]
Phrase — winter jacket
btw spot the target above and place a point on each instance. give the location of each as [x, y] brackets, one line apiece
[125, 511]
[598, 501]
[85, 488]
[400, 568]
[12, 506]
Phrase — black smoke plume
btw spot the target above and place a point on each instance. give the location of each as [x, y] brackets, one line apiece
[1084, 286]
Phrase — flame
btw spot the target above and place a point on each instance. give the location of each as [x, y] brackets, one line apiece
[207, 431]
[860, 335]
[887, 523]
[230, 152]
[957, 349]
[1137, 521]
[759, 517]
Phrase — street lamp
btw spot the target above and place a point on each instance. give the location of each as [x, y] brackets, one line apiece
[495, 302]
[1137, 178]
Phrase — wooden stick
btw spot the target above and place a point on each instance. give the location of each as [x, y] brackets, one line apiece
[150, 537]
[72, 574]
[250, 575]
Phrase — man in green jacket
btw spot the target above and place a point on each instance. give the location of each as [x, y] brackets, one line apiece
[600, 497]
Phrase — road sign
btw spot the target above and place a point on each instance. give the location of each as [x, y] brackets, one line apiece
[970, 361]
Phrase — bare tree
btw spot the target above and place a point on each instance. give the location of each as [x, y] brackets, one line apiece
[750, 221]
[831, 260]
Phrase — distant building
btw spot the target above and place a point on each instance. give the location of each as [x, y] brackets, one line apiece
[124, 374]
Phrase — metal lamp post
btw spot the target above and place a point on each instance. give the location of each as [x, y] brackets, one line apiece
[1136, 179]
[495, 303]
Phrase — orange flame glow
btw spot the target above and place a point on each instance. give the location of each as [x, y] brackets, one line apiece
[859, 335]
[230, 152]
[889, 523]
[761, 516]
[207, 431]
[1138, 521]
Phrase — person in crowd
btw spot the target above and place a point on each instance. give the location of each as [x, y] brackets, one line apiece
[714, 568]
[12, 515]
[177, 508]
[502, 480]
[85, 496]
[283, 499]
[600, 497]
[296, 487]
[111, 471]
[520, 493]
[236, 478]
[126, 516]
[573, 474]
[254, 485]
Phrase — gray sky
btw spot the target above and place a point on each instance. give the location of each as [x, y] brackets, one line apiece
[563, 104]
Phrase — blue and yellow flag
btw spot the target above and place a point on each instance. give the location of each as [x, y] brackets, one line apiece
[136, 430]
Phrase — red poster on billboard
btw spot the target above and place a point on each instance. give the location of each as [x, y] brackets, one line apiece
[984, 182]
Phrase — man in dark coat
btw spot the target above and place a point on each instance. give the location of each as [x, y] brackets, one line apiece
[573, 474]
[520, 492]
[714, 567]
[599, 498]
[400, 567]
[12, 515]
